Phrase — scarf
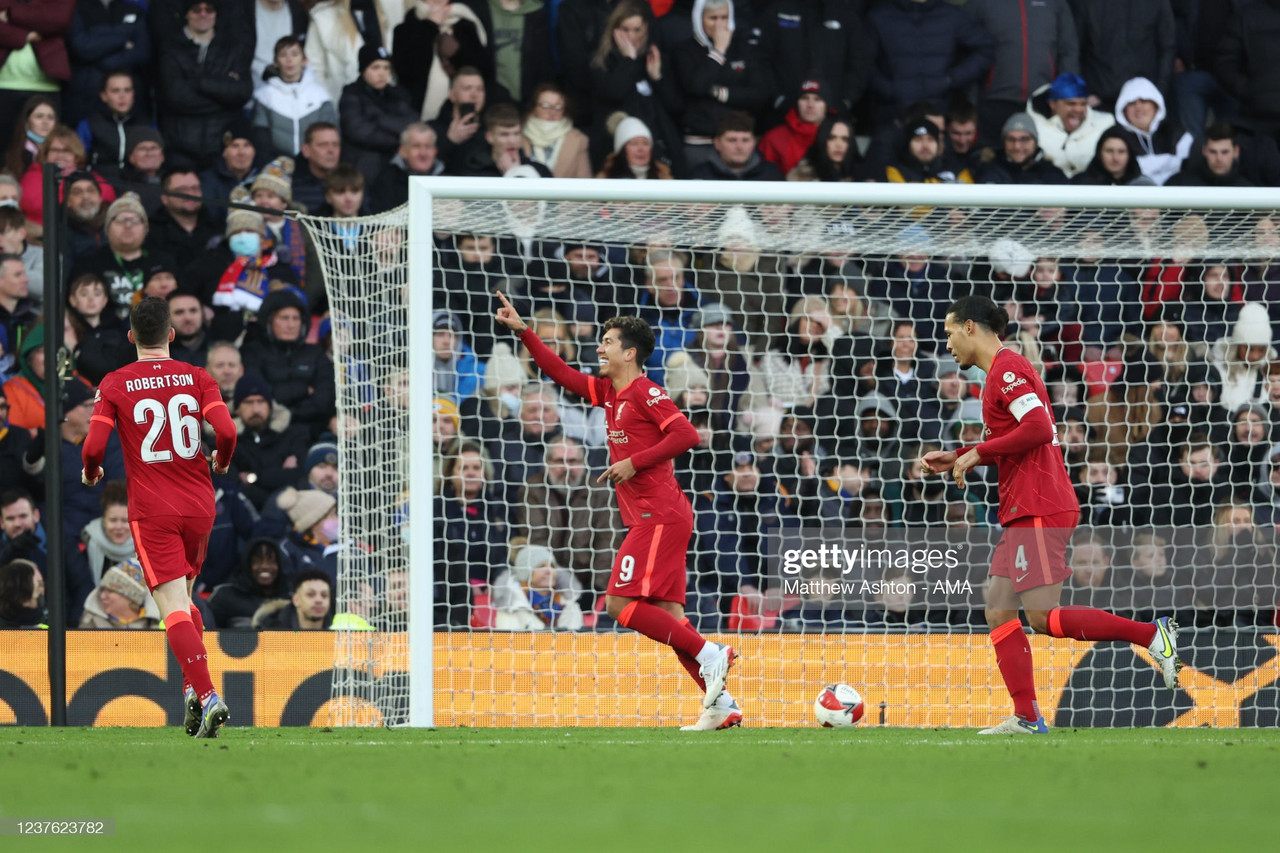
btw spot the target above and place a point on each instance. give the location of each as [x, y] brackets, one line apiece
[438, 77]
[101, 552]
[244, 283]
[546, 606]
[546, 138]
[291, 249]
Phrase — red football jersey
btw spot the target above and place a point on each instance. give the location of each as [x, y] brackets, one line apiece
[1036, 482]
[156, 406]
[637, 417]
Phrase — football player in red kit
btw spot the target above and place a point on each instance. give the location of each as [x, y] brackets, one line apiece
[156, 404]
[1038, 511]
[646, 431]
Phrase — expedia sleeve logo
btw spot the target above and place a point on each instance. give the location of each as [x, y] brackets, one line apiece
[1012, 380]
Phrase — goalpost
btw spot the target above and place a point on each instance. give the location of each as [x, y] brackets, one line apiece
[1129, 299]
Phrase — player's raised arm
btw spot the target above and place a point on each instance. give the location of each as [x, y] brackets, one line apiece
[551, 363]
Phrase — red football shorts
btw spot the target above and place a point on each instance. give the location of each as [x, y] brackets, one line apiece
[652, 562]
[171, 546]
[1032, 551]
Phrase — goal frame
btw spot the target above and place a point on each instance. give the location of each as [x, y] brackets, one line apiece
[423, 191]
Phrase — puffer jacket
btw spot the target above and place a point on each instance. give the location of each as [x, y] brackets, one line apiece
[199, 99]
[1249, 59]
[1123, 39]
[234, 602]
[300, 374]
[916, 48]
[1163, 147]
[286, 110]
[371, 123]
[1035, 42]
[103, 134]
[1070, 152]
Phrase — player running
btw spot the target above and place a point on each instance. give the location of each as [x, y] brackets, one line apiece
[157, 403]
[1038, 510]
[646, 431]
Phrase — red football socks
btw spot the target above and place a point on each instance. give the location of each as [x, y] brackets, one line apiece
[1088, 623]
[691, 664]
[657, 624]
[189, 649]
[1013, 655]
[198, 621]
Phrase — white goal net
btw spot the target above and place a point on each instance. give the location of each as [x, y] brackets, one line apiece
[799, 329]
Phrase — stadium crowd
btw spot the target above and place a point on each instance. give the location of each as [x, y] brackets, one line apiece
[810, 379]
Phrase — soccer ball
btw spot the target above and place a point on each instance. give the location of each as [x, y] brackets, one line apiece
[838, 706]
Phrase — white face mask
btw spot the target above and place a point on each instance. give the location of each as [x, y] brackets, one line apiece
[512, 402]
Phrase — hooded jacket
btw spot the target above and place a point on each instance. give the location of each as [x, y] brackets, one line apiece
[300, 374]
[1070, 152]
[701, 70]
[1095, 174]
[1165, 145]
[235, 602]
[286, 110]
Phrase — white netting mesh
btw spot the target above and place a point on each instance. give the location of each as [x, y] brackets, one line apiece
[1151, 327]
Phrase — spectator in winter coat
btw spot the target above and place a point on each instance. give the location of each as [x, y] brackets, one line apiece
[1068, 129]
[417, 156]
[182, 227]
[64, 148]
[1163, 144]
[550, 137]
[1021, 161]
[833, 156]
[718, 73]
[828, 39]
[104, 130]
[269, 450]
[536, 594]
[920, 159]
[629, 73]
[1248, 64]
[144, 163]
[203, 82]
[123, 262]
[300, 374]
[452, 35]
[1034, 42]
[1241, 360]
[101, 342]
[290, 100]
[924, 49]
[786, 144]
[312, 541]
[373, 111]
[632, 155]
[105, 38]
[1124, 39]
[256, 581]
[320, 154]
[310, 608]
[1115, 161]
[121, 601]
[1217, 164]
[734, 156]
[237, 167]
[470, 533]
[339, 31]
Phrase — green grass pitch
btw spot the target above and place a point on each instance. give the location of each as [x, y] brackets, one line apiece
[863, 789]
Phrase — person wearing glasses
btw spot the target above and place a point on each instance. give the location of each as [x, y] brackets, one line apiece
[550, 137]
[61, 146]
